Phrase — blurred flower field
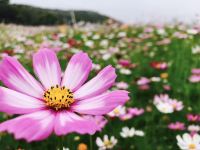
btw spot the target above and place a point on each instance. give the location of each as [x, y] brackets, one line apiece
[158, 64]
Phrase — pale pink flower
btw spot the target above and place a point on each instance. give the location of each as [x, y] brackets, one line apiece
[136, 111]
[143, 81]
[196, 71]
[177, 105]
[122, 85]
[194, 78]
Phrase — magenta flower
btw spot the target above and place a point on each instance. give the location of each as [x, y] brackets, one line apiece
[58, 104]
[193, 117]
[177, 126]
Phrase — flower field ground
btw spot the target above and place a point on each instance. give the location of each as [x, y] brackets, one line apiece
[158, 64]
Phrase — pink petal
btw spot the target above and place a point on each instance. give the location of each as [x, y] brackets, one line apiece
[31, 127]
[99, 84]
[68, 122]
[47, 68]
[101, 104]
[14, 76]
[77, 71]
[13, 102]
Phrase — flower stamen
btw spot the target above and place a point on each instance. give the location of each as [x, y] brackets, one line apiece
[58, 97]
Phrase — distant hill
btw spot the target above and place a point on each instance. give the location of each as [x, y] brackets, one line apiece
[28, 15]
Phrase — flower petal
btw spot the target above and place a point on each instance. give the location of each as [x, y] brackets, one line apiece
[31, 127]
[68, 122]
[13, 102]
[15, 76]
[101, 104]
[47, 68]
[99, 84]
[77, 71]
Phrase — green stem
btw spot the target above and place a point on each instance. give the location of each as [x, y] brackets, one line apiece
[61, 143]
[91, 144]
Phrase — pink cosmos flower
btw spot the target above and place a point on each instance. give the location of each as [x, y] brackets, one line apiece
[58, 104]
[122, 85]
[136, 111]
[124, 62]
[177, 126]
[193, 117]
[177, 105]
[194, 78]
[143, 81]
[196, 71]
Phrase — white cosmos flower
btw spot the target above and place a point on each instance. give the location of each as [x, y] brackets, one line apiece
[139, 133]
[164, 107]
[89, 43]
[194, 128]
[188, 142]
[118, 111]
[106, 143]
[125, 71]
[196, 50]
[126, 132]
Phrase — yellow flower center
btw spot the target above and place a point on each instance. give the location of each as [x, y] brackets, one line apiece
[107, 143]
[116, 111]
[58, 97]
[192, 146]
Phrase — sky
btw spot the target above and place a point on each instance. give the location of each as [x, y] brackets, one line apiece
[129, 11]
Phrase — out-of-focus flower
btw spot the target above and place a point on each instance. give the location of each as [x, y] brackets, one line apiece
[164, 75]
[136, 111]
[126, 113]
[89, 43]
[120, 110]
[188, 142]
[122, 85]
[192, 31]
[96, 67]
[193, 128]
[167, 105]
[196, 50]
[193, 117]
[194, 78]
[126, 63]
[159, 65]
[143, 81]
[196, 71]
[121, 34]
[144, 87]
[72, 42]
[164, 107]
[65, 148]
[106, 143]
[82, 146]
[167, 87]
[165, 41]
[125, 71]
[180, 35]
[177, 105]
[155, 79]
[127, 133]
[177, 126]
[104, 43]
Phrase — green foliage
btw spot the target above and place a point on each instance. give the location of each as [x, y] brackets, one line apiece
[27, 15]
